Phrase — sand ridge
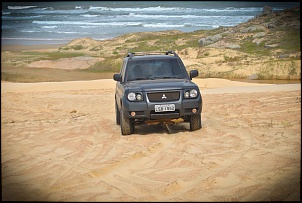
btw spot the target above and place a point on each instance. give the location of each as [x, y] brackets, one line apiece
[207, 83]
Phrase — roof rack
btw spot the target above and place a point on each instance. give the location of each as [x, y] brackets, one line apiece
[144, 53]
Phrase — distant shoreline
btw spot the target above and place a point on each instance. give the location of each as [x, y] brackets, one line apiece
[23, 47]
[17, 45]
[33, 42]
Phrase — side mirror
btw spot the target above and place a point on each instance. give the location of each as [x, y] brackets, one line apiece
[193, 73]
[117, 77]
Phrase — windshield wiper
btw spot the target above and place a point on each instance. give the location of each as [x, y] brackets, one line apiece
[166, 77]
[142, 78]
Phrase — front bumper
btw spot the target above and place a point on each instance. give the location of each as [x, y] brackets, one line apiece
[146, 110]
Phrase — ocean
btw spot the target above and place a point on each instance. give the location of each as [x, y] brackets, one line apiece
[59, 22]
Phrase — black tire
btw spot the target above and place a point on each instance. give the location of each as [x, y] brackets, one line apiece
[195, 122]
[117, 115]
[131, 126]
[126, 124]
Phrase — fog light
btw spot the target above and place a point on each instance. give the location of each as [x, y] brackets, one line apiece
[194, 110]
[139, 97]
[132, 113]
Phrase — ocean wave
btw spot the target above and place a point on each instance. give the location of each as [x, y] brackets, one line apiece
[87, 23]
[51, 10]
[230, 9]
[49, 27]
[21, 17]
[65, 32]
[134, 9]
[177, 9]
[150, 16]
[90, 15]
[50, 31]
[161, 16]
[88, 26]
[162, 25]
[20, 7]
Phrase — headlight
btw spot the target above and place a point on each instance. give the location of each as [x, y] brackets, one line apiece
[131, 96]
[191, 93]
[135, 96]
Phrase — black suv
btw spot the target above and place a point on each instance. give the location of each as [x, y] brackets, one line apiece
[155, 88]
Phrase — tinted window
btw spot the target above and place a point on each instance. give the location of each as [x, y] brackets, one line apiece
[155, 69]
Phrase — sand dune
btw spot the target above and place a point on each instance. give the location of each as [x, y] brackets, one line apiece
[59, 142]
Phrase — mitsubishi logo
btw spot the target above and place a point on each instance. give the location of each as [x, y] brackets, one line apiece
[164, 96]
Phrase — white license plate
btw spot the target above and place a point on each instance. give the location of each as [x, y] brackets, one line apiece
[165, 107]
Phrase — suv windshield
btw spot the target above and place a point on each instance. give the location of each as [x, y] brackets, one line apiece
[151, 69]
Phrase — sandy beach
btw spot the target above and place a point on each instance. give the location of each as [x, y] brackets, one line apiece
[59, 142]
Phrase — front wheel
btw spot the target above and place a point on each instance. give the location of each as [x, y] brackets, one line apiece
[195, 122]
[126, 124]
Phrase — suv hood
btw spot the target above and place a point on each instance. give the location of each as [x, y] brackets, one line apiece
[161, 84]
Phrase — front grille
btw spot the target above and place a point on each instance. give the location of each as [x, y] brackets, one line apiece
[163, 96]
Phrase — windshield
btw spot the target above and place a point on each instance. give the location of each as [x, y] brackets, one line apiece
[155, 69]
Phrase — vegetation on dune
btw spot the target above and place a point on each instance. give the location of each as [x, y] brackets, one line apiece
[110, 64]
[52, 55]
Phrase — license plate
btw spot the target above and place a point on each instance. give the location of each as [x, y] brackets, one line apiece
[165, 107]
